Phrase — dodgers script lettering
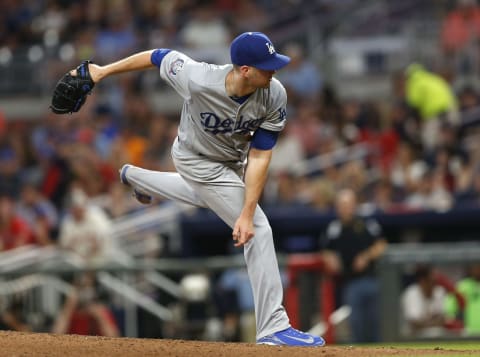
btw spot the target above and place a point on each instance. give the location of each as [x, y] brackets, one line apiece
[215, 125]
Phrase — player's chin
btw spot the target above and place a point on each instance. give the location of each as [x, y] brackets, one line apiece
[266, 85]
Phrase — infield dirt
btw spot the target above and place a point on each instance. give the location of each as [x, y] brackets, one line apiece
[40, 344]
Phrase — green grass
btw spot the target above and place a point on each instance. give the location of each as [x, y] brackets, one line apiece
[446, 345]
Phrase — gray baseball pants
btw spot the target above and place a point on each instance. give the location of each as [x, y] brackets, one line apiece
[204, 183]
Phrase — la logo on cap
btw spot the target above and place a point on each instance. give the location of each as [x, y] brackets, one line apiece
[270, 47]
[247, 49]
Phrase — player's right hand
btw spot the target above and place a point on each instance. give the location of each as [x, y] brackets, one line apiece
[242, 231]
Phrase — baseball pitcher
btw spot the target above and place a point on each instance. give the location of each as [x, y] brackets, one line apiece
[231, 118]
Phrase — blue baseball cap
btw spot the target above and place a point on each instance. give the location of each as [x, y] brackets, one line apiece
[256, 50]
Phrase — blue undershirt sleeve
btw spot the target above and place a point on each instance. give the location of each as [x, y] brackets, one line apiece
[264, 139]
[157, 56]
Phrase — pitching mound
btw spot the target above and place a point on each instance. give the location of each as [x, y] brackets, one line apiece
[39, 344]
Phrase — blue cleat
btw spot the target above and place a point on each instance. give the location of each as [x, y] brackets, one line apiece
[140, 196]
[291, 337]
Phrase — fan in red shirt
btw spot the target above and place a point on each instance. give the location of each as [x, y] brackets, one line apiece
[461, 27]
[83, 313]
[14, 231]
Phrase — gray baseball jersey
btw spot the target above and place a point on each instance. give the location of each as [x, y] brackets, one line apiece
[209, 154]
[212, 124]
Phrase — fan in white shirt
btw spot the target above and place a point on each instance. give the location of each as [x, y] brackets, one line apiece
[423, 305]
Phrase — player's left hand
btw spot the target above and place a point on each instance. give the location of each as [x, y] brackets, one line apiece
[242, 231]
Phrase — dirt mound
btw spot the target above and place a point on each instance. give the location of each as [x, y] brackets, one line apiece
[39, 344]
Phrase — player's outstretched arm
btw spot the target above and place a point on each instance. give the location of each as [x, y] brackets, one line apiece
[138, 61]
[70, 93]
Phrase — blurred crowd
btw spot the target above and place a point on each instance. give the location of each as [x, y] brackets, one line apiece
[108, 29]
[417, 151]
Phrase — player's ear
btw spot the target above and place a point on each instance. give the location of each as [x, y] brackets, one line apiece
[244, 70]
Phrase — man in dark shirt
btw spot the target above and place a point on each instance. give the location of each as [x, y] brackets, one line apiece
[352, 245]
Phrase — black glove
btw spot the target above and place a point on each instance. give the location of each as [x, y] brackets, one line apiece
[71, 92]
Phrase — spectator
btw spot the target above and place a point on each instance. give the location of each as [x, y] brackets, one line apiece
[288, 151]
[118, 153]
[205, 29]
[134, 146]
[331, 108]
[383, 199]
[467, 99]
[14, 231]
[51, 19]
[86, 230]
[77, 23]
[10, 167]
[351, 248]
[322, 195]
[53, 146]
[157, 153]
[353, 175]
[467, 184]
[285, 191]
[430, 194]
[443, 165]
[105, 131]
[386, 142]
[12, 317]
[18, 19]
[46, 135]
[449, 140]
[407, 168]
[423, 305]
[308, 129]
[406, 124]
[116, 37]
[40, 214]
[301, 78]
[247, 15]
[432, 97]
[469, 288]
[460, 35]
[90, 171]
[84, 314]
